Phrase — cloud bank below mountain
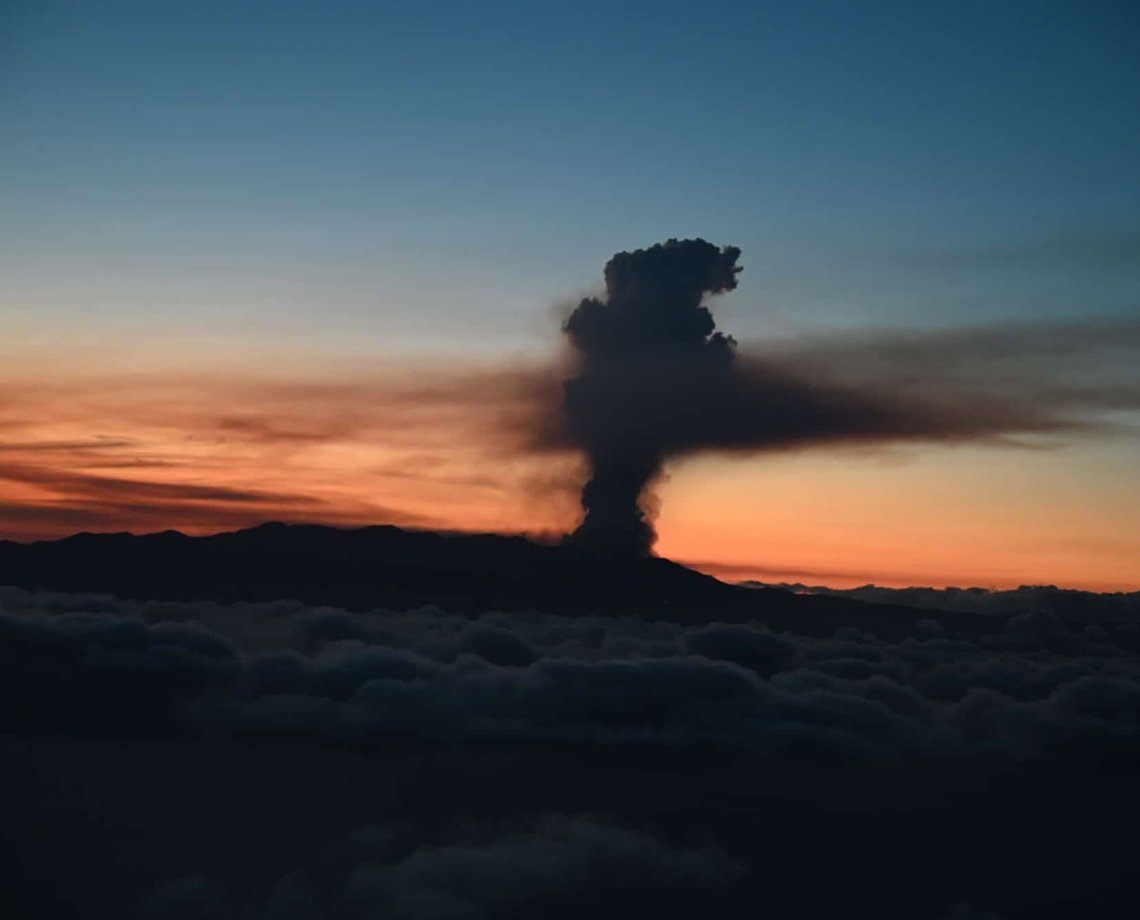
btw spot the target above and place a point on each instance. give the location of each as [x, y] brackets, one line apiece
[604, 761]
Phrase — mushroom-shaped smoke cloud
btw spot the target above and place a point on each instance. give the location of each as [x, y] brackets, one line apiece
[651, 323]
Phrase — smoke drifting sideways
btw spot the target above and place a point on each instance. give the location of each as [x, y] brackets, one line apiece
[650, 327]
[655, 380]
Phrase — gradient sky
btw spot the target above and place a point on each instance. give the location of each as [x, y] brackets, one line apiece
[232, 232]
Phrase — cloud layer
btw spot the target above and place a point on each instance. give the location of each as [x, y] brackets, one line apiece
[608, 764]
[330, 677]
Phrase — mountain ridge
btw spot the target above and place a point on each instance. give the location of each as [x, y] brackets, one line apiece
[384, 566]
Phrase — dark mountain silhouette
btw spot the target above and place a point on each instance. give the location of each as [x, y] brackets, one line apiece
[388, 567]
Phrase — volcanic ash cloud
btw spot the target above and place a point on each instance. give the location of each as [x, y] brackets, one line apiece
[655, 380]
[651, 324]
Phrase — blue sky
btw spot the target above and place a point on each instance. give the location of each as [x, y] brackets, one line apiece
[438, 176]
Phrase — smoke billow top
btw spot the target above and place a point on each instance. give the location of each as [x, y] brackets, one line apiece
[651, 320]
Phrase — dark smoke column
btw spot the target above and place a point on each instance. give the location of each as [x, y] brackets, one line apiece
[650, 329]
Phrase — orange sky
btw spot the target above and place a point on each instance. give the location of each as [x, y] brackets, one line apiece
[157, 443]
[967, 516]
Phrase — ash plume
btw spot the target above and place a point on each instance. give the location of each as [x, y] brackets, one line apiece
[655, 380]
[651, 319]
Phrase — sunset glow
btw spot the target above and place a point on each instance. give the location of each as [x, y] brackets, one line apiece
[342, 443]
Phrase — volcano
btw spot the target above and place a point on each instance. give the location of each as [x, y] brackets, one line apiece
[393, 568]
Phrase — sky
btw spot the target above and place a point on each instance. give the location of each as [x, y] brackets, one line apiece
[297, 260]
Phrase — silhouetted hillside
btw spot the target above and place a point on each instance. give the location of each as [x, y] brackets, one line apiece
[399, 569]
[1072, 605]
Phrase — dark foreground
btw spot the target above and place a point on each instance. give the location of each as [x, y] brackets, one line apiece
[283, 724]
[110, 827]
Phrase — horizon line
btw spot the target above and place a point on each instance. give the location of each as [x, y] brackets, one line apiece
[729, 572]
